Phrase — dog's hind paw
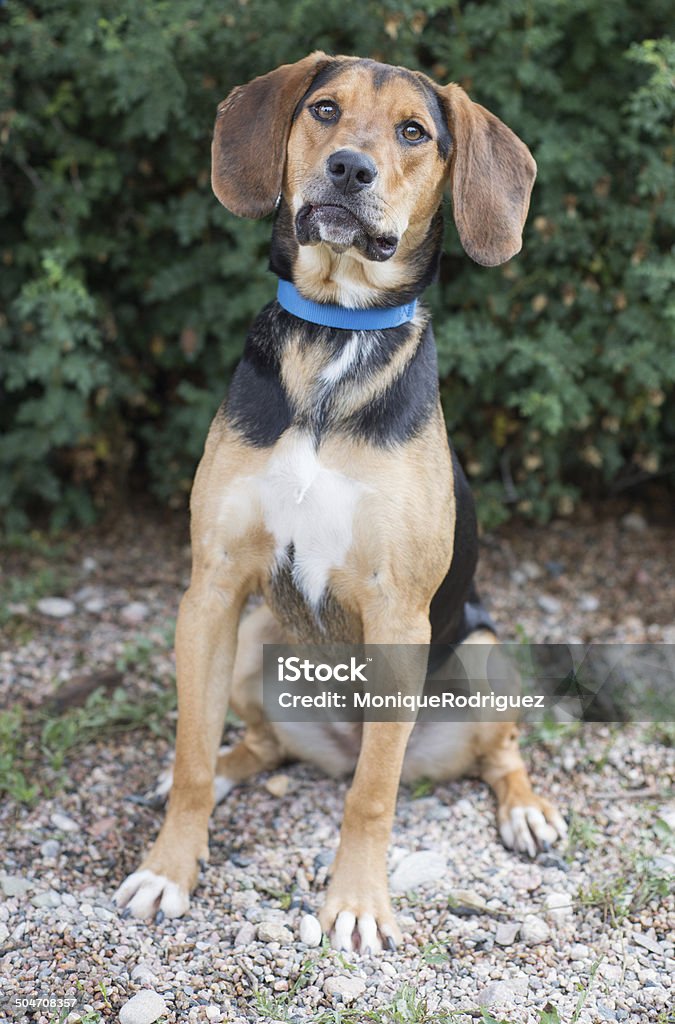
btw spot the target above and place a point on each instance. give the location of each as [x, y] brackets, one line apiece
[531, 827]
[145, 894]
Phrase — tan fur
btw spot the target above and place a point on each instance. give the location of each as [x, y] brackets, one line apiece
[401, 504]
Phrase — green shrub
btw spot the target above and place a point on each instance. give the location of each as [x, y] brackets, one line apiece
[126, 289]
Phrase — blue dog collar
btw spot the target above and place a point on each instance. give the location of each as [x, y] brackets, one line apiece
[342, 317]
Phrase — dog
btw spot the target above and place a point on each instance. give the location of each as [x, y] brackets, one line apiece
[328, 485]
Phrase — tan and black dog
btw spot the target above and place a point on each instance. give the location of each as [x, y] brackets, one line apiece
[327, 484]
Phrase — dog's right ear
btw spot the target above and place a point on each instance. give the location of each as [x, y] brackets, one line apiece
[253, 123]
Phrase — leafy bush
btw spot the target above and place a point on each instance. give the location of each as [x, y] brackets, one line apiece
[127, 289]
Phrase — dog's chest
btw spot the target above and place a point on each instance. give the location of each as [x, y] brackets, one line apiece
[310, 510]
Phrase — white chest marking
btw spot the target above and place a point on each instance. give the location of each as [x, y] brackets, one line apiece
[311, 507]
[342, 363]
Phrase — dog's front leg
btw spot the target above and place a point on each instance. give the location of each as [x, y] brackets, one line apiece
[206, 634]
[357, 912]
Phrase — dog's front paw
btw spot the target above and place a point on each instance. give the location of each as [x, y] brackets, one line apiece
[358, 923]
[146, 894]
[530, 826]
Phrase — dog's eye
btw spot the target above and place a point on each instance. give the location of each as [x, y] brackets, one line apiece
[413, 132]
[325, 110]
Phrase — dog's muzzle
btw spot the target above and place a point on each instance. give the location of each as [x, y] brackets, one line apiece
[341, 229]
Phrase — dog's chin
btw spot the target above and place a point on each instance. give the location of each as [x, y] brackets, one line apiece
[340, 229]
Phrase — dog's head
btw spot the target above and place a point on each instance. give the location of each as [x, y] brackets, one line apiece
[360, 153]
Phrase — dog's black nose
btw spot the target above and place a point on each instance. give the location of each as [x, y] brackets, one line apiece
[351, 171]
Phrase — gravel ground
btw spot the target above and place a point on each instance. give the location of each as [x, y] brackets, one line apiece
[588, 930]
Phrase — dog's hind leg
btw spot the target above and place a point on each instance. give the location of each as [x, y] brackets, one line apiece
[526, 822]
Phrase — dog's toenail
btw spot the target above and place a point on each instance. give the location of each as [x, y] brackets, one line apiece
[159, 917]
[545, 845]
[391, 944]
[126, 913]
[202, 864]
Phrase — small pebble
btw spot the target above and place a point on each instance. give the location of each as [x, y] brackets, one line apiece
[240, 860]
[531, 569]
[548, 604]
[63, 823]
[49, 899]
[50, 849]
[142, 974]
[246, 934]
[274, 931]
[14, 885]
[55, 607]
[648, 942]
[534, 930]
[552, 860]
[506, 933]
[310, 930]
[144, 1008]
[135, 612]
[588, 603]
[635, 522]
[558, 906]
[277, 785]
[526, 880]
[497, 996]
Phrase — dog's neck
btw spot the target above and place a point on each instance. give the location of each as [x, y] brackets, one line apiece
[378, 386]
[349, 279]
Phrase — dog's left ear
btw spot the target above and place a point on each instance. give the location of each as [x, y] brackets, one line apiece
[253, 123]
[492, 173]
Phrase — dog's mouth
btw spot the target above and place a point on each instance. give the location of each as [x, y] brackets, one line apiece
[341, 229]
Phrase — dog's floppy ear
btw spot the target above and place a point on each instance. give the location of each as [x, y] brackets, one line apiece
[253, 123]
[492, 173]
